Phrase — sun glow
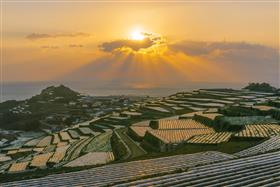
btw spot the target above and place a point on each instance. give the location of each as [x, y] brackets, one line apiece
[137, 35]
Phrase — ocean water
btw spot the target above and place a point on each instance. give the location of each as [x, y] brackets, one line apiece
[25, 90]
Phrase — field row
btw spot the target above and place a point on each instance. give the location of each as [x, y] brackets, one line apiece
[261, 170]
[213, 138]
[110, 174]
[259, 131]
[180, 124]
[178, 136]
[269, 145]
[51, 155]
[92, 158]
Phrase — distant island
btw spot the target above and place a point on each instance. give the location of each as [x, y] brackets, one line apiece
[261, 87]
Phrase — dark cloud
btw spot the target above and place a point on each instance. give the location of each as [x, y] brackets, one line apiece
[37, 36]
[149, 40]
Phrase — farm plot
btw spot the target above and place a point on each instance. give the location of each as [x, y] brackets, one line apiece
[135, 149]
[189, 115]
[209, 116]
[175, 101]
[119, 173]
[179, 124]
[38, 149]
[131, 113]
[178, 136]
[206, 104]
[32, 143]
[259, 131]
[58, 154]
[24, 150]
[44, 142]
[214, 138]
[158, 109]
[40, 161]
[56, 139]
[138, 131]
[50, 148]
[168, 104]
[62, 144]
[269, 145]
[92, 158]
[86, 131]
[74, 134]
[142, 123]
[260, 170]
[100, 143]
[16, 153]
[64, 136]
[4, 158]
[17, 167]
[76, 148]
[197, 108]
[176, 108]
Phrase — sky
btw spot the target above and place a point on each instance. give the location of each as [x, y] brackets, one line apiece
[141, 44]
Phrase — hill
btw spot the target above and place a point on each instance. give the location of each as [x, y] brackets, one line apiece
[260, 87]
[26, 115]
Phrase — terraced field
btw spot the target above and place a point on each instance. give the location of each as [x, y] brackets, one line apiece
[178, 136]
[180, 124]
[259, 131]
[92, 158]
[89, 143]
[58, 155]
[261, 170]
[135, 150]
[45, 141]
[269, 145]
[122, 172]
[17, 167]
[40, 161]
[139, 131]
[100, 143]
[75, 150]
[213, 138]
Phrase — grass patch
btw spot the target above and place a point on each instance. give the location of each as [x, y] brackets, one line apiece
[135, 149]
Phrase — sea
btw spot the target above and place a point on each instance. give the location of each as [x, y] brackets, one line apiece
[25, 90]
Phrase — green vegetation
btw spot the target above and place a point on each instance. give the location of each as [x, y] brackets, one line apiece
[24, 122]
[61, 94]
[120, 149]
[226, 123]
[99, 143]
[26, 115]
[260, 87]
[134, 149]
[76, 148]
[239, 111]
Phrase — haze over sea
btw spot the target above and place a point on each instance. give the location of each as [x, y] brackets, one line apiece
[25, 90]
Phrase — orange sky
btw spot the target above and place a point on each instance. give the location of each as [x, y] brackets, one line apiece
[69, 36]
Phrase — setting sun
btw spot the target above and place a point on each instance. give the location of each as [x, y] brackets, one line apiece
[137, 35]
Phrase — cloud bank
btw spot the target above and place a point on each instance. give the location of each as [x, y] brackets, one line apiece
[182, 62]
[150, 40]
[38, 36]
